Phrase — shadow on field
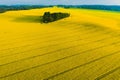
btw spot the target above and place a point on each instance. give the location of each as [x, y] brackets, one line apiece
[91, 25]
[79, 25]
[94, 26]
[29, 19]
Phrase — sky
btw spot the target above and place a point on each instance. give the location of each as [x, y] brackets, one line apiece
[66, 2]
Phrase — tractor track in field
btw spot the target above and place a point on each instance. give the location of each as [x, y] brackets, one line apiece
[56, 40]
[107, 73]
[64, 49]
[52, 51]
[66, 58]
[118, 52]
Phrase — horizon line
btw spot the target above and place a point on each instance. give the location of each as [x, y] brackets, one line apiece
[61, 4]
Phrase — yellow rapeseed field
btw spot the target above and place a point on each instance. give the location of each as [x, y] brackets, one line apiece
[84, 46]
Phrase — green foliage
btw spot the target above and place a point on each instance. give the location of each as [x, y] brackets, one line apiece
[2, 10]
[47, 17]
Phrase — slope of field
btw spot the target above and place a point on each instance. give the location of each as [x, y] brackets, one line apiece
[85, 46]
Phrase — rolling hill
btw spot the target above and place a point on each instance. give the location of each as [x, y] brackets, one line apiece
[84, 46]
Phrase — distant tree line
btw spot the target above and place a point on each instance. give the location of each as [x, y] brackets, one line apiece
[4, 8]
[96, 7]
[50, 17]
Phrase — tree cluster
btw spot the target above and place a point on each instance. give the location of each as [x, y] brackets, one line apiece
[50, 17]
